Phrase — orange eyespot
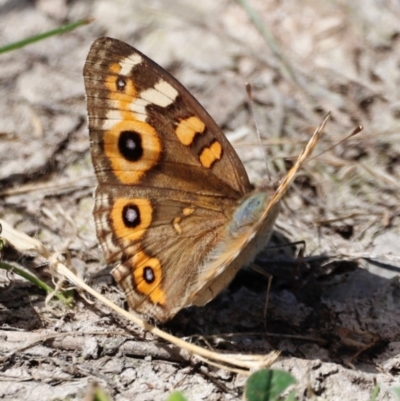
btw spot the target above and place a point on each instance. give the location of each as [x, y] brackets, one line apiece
[147, 275]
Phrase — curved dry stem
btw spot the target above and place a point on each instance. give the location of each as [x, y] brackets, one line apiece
[238, 362]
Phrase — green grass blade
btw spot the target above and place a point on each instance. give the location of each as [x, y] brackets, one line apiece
[39, 283]
[36, 38]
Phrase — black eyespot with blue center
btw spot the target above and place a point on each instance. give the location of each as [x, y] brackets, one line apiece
[148, 275]
[120, 84]
[131, 215]
[130, 145]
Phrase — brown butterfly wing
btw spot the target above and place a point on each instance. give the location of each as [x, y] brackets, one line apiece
[126, 91]
[168, 178]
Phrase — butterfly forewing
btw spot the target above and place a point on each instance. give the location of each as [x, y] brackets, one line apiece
[127, 92]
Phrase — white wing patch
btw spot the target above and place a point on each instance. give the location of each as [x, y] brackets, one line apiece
[112, 118]
[128, 63]
[163, 94]
[138, 107]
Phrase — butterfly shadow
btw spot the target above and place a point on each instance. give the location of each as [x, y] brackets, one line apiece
[319, 307]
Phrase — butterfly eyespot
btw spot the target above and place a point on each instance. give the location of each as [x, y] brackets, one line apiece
[130, 145]
[132, 148]
[148, 275]
[131, 215]
[120, 84]
[130, 218]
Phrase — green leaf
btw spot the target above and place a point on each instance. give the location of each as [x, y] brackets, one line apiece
[375, 392]
[176, 396]
[267, 385]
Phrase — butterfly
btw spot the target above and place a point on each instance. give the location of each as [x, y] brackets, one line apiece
[174, 208]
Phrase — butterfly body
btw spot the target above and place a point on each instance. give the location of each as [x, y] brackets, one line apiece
[174, 207]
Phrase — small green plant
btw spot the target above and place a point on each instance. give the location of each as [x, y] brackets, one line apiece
[66, 296]
[375, 393]
[100, 395]
[176, 396]
[268, 385]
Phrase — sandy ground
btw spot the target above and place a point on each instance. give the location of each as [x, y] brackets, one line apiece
[333, 315]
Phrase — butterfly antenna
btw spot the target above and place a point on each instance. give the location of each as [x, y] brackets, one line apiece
[253, 114]
[355, 131]
[289, 178]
